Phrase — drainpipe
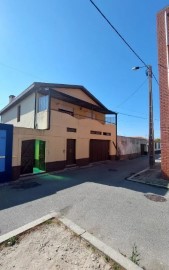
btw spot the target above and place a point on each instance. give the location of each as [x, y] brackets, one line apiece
[116, 132]
[35, 111]
[49, 110]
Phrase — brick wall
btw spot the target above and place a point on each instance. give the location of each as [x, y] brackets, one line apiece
[163, 64]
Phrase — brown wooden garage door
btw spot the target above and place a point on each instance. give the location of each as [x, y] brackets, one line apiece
[99, 150]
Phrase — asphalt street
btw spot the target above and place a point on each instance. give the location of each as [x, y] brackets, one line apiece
[99, 199]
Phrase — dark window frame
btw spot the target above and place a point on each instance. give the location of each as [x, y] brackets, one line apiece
[95, 132]
[19, 113]
[65, 111]
[106, 133]
[71, 129]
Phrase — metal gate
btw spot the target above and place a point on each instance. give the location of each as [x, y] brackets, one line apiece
[99, 150]
[6, 140]
[32, 156]
[27, 156]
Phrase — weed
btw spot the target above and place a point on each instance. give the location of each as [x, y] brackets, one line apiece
[116, 266]
[107, 258]
[135, 256]
[49, 221]
[12, 241]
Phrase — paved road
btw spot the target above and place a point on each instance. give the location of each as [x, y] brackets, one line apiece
[99, 199]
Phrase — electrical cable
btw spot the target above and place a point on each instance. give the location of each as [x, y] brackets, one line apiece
[18, 70]
[132, 94]
[123, 39]
[135, 116]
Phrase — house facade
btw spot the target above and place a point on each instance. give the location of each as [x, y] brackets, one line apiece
[57, 126]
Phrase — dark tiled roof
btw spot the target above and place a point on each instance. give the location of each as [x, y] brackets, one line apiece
[40, 86]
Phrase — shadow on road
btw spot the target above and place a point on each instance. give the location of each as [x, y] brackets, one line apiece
[110, 173]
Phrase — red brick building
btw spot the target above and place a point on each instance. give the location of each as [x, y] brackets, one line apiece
[163, 65]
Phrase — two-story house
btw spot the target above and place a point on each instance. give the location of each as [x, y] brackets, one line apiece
[57, 125]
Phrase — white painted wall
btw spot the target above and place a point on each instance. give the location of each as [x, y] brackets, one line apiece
[157, 146]
[27, 113]
[130, 145]
[42, 120]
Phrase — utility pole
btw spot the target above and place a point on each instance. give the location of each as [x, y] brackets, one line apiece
[151, 124]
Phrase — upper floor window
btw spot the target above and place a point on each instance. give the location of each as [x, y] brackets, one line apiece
[43, 103]
[95, 132]
[107, 133]
[71, 129]
[19, 113]
[66, 111]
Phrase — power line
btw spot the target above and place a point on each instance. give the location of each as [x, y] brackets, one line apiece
[132, 115]
[135, 116]
[155, 78]
[123, 39]
[132, 94]
[18, 70]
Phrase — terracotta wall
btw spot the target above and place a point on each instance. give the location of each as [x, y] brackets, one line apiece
[163, 64]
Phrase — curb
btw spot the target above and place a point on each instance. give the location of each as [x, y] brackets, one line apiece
[27, 227]
[99, 245]
[92, 240]
[136, 174]
[131, 178]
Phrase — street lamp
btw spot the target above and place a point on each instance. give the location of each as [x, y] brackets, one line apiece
[151, 125]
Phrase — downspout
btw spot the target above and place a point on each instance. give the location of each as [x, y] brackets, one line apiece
[49, 110]
[116, 133]
[35, 111]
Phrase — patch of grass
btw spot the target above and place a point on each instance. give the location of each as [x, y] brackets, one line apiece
[49, 221]
[135, 256]
[116, 266]
[107, 259]
[11, 241]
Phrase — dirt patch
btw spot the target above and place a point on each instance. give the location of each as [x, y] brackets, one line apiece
[52, 246]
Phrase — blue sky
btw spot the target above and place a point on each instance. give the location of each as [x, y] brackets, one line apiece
[63, 41]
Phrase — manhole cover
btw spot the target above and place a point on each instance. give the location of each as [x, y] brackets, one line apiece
[155, 198]
[26, 185]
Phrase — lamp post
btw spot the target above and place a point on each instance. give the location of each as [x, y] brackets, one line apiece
[151, 124]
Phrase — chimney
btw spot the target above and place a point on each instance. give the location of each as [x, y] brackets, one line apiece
[11, 97]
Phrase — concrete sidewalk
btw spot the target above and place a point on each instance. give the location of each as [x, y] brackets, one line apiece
[151, 177]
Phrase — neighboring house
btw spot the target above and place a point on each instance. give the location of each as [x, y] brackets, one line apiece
[131, 147]
[56, 126]
[157, 146]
